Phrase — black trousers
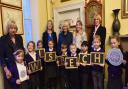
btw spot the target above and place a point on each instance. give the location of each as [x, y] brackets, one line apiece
[73, 78]
[62, 78]
[41, 79]
[50, 83]
[86, 80]
[126, 77]
[115, 83]
[34, 81]
[7, 84]
[24, 85]
[98, 79]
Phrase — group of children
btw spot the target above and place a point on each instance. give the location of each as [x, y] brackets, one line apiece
[53, 75]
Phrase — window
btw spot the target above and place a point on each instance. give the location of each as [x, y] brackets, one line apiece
[27, 20]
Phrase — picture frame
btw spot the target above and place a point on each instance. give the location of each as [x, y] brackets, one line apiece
[92, 8]
[71, 13]
[14, 3]
[72, 22]
[124, 9]
[9, 13]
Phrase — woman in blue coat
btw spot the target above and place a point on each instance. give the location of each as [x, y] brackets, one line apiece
[65, 36]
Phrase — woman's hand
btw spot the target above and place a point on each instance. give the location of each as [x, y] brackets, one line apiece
[29, 71]
[77, 63]
[83, 64]
[124, 61]
[102, 65]
[65, 63]
[18, 81]
[7, 72]
[57, 62]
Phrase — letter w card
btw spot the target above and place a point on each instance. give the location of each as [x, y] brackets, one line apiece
[35, 66]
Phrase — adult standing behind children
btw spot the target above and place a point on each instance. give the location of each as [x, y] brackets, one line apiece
[10, 42]
[65, 36]
[49, 34]
[80, 35]
[98, 29]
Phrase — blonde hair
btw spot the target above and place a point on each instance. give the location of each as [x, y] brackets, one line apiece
[97, 37]
[52, 25]
[11, 24]
[17, 52]
[115, 37]
[73, 45]
[66, 22]
[79, 22]
[97, 16]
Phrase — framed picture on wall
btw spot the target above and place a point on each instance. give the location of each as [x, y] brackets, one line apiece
[124, 10]
[12, 14]
[91, 9]
[16, 3]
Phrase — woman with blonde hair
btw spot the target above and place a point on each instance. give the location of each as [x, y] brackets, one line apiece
[80, 35]
[10, 42]
[98, 29]
[65, 36]
[49, 34]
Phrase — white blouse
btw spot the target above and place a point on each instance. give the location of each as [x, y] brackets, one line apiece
[33, 55]
[22, 71]
[79, 38]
